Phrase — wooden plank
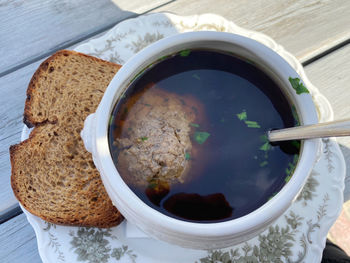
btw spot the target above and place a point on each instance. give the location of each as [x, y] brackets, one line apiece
[331, 75]
[23, 25]
[12, 96]
[304, 28]
[18, 241]
[34, 28]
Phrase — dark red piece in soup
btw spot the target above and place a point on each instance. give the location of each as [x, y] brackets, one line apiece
[189, 136]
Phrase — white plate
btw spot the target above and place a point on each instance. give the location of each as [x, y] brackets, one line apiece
[297, 236]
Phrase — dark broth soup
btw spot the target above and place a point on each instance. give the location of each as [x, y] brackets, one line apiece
[189, 136]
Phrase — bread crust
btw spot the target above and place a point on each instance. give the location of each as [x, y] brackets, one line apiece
[27, 117]
[79, 198]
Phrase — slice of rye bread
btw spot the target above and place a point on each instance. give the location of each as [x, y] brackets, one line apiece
[53, 176]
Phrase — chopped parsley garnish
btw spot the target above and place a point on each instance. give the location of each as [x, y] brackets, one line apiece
[264, 163]
[201, 137]
[111, 120]
[164, 57]
[194, 125]
[252, 124]
[290, 168]
[144, 139]
[264, 138]
[242, 116]
[295, 116]
[295, 144]
[295, 158]
[298, 85]
[185, 53]
[265, 147]
[273, 195]
[287, 179]
[187, 156]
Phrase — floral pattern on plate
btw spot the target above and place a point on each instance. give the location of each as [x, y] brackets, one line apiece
[297, 236]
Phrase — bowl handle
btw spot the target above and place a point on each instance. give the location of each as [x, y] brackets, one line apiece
[88, 132]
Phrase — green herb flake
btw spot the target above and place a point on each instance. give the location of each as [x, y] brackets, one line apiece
[263, 164]
[144, 139]
[298, 85]
[295, 144]
[163, 57]
[295, 158]
[185, 53]
[287, 179]
[295, 116]
[201, 137]
[252, 124]
[290, 169]
[272, 196]
[187, 156]
[264, 138]
[222, 120]
[148, 105]
[194, 125]
[265, 147]
[242, 116]
[196, 76]
[110, 121]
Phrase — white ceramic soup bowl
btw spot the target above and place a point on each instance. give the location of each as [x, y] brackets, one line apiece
[175, 231]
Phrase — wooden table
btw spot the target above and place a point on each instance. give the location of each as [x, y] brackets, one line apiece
[316, 32]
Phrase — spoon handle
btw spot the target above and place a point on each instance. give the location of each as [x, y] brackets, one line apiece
[320, 130]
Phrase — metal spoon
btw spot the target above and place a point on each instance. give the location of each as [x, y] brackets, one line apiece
[320, 130]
